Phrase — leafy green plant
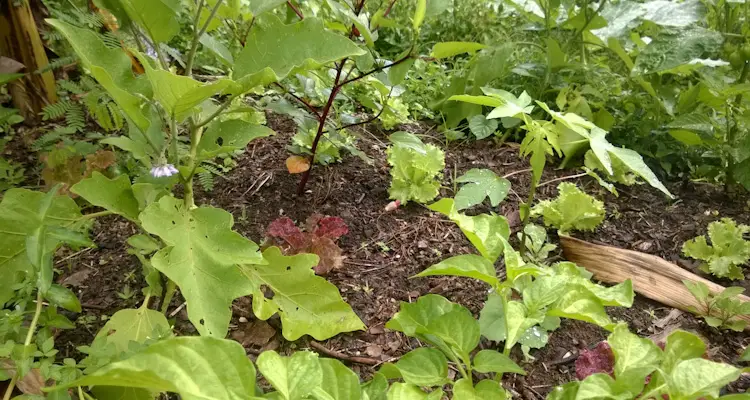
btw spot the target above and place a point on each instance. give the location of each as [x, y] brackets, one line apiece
[480, 184]
[537, 247]
[528, 304]
[572, 209]
[720, 310]
[416, 168]
[726, 253]
[631, 367]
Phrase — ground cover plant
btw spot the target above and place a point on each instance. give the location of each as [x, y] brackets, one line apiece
[406, 168]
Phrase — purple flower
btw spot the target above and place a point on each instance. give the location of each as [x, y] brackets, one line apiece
[161, 171]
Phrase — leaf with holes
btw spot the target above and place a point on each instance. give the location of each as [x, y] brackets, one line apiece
[480, 184]
[133, 325]
[230, 135]
[306, 303]
[201, 257]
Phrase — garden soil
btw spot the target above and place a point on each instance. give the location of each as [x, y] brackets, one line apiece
[384, 249]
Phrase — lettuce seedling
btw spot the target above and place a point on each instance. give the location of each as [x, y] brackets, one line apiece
[727, 251]
[573, 209]
[719, 310]
[319, 238]
[416, 168]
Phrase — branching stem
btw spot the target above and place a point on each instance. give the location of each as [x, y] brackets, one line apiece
[199, 33]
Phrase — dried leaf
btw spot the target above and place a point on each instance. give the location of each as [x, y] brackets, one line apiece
[329, 254]
[31, 383]
[297, 164]
[257, 333]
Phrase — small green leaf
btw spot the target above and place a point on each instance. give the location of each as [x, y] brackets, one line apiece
[510, 106]
[479, 100]
[482, 127]
[63, 297]
[424, 367]
[697, 377]
[468, 265]
[229, 135]
[681, 346]
[133, 325]
[338, 381]
[413, 318]
[480, 184]
[294, 377]
[405, 391]
[458, 329]
[196, 368]
[698, 289]
[158, 17]
[376, 388]
[450, 49]
[487, 361]
[492, 318]
[419, 14]
[635, 358]
[115, 195]
[397, 73]
[144, 243]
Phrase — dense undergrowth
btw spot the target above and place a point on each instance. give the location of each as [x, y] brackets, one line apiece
[166, 93]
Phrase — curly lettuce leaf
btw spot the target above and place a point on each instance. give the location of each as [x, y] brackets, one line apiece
[573, 209]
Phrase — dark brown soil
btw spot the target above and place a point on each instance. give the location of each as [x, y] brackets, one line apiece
[384, 249]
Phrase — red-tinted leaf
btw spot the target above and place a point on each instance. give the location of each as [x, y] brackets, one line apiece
[599, 359]
[311, 223]
[285, 229]
[329, 253]
[331, 227]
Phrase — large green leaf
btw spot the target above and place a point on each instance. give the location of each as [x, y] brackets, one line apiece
[338, 381]
[468, 265]
[201, 256]
[180, 95]
[112, 68]
[484, 390]
[294, 377]
[306, 303]
[133, 325]
[414, 318]
[492, 361]
[450, 49]
[579, 303]
[424, 367]
[159, 18]
[196, 368]
[406, 391]
[674, 48]
[635, 358]
[229, 135]
[258, 7]
[487, 232]
[480, 184]
[115, 195]
[482, 127]
[273, 50]
[697, 377]
[19, 220]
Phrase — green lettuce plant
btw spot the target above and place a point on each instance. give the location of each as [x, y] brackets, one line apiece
[416, 168]
[727, 252]
[720, 310]
[525, 306]
[572, 209]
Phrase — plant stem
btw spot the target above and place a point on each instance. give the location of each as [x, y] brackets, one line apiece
[526, 208]
[198, 34]
[168, 295]
[96, 214]
[732, 133]
[27, 342]
[195, 138]
[215, 113]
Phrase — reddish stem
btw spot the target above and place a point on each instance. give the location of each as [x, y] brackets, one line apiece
[388, 10]
[301, 100]
[321, 125]
[295, 9]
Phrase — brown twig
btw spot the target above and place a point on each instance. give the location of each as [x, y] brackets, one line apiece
[295, 9]
[341, 356]
[388, 10]
[301, 100]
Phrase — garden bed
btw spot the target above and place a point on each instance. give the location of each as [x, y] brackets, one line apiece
[384, 249]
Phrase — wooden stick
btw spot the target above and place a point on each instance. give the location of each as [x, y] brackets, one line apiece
[652, 276]
[341, 356]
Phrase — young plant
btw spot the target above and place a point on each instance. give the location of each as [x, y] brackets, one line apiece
[319, 238]
[726, 253]
[720, 310]
[416, 168]
[528, 304]
[572, 209]
[480, 184]
[630, 367]
[537, 247]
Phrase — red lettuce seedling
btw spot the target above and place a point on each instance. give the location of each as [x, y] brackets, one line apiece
[596, 360]
[319, 237]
